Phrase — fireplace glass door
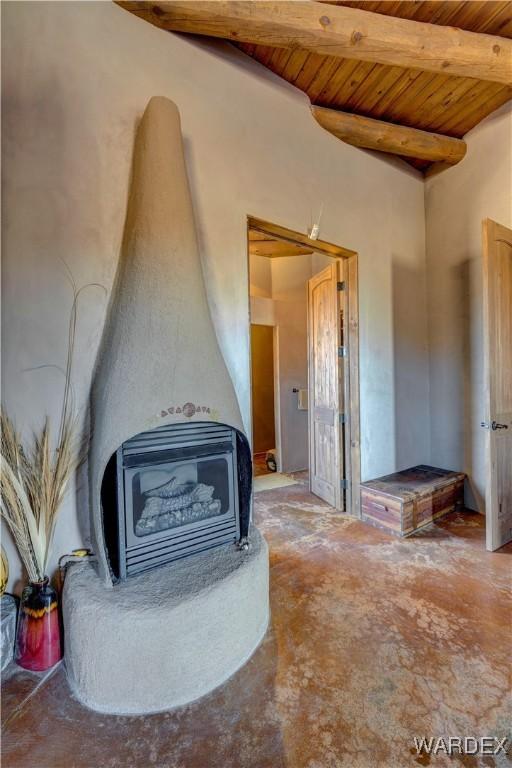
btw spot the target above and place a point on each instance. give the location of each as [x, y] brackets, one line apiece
[172, 495]
[177, 493]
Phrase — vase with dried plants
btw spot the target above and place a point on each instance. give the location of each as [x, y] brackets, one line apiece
[33, 483]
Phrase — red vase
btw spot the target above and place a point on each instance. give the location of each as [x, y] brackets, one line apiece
[38, 645]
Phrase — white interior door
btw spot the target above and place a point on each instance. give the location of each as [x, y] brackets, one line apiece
[325, 372]
[497, 325]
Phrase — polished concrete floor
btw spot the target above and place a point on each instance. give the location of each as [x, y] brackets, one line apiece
[373, 641]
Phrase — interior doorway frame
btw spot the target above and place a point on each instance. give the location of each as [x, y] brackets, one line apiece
[352, 440]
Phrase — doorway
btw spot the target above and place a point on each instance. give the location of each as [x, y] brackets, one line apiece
[304, 294]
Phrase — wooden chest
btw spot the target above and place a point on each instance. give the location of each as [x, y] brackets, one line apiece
[405, 501]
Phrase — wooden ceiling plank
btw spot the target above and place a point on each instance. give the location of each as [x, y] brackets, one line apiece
[455, 11]
[247, 48]
[269, 55]
[488, 16]
[263, 54]
[285, 62]
[305, 67]
[416, 110]
[266, 55]
[421, 105]
[308, 71]
[352, 83]
[498, 23]
[407, 100]
[471, 15]
[435, 103]
[331, 90]
[432, 98]
[406, 10]
[494, 102]
[389, 77]
[369, 4]
[393, 94]
[392, 8]
[276, 53]
[367, 86]
[324, 74]
[337, 31]
[295, 64]
[464, 121]
[451, 95]
[506, 28]
[473, 100]
[441, 12]
[433, 12]
[279, 60]
[387, 137]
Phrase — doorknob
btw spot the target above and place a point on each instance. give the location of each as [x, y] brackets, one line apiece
[494, 425]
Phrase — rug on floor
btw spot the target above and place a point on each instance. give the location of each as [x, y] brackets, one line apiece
[272, 481]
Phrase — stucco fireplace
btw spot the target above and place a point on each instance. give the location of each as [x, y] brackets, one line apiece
[178, 598]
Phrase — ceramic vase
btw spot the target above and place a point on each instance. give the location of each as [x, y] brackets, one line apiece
[38, 643]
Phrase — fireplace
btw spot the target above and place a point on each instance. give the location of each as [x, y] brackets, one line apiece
[176, 494]
[169, 468]
[160, 367]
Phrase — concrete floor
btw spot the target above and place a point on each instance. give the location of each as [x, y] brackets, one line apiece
[374, 640]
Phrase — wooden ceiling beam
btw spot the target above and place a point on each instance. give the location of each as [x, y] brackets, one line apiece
[276, 248]
[348, 33]
[388, 137]
[293, 237]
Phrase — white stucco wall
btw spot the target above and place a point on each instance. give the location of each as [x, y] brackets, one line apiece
[457, 201]
[76, 78]
[260, 277]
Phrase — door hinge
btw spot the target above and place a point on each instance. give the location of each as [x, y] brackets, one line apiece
[343, 418]
[340, 285]
[342, 351]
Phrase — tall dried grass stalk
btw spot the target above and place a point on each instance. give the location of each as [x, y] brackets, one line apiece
[33, 481]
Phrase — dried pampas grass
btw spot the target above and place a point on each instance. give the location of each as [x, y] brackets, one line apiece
[32, 487]
[33, 482]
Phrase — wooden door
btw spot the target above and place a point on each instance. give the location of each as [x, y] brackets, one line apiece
[497, 326]
[262, 370]
[325, 390]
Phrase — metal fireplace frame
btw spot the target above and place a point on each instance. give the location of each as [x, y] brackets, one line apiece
[179, 444]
